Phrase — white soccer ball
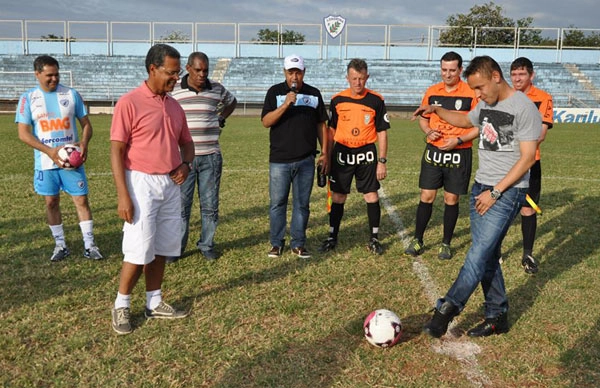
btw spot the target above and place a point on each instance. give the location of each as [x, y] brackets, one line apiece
[70, 154]
[383, 328]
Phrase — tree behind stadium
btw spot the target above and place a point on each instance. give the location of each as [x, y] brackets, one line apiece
[488, 15]
[267, 35]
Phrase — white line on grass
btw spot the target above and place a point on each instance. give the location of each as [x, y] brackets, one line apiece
[464, 351]
[263, 170]
[11, 177]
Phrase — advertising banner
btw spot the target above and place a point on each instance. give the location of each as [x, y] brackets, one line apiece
[576, 115]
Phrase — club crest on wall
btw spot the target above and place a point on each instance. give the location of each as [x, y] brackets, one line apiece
[334, 25]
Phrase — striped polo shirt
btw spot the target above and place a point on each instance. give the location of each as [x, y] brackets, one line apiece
[202, 110]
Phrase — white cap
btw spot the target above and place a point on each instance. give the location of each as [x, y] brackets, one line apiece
[293, 62]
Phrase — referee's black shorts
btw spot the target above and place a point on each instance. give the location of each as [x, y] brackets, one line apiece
[347, 163]
[448, 169]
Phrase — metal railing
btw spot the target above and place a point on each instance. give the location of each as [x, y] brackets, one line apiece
[375, 41]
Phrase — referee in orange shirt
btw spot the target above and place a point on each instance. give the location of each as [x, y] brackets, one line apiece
[445, 162]
[521, 76]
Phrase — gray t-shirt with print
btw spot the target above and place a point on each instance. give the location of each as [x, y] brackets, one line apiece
[501, 128]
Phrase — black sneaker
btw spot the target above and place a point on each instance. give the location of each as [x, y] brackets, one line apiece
[529, 264]
[172, 259]
[374, 246]
[497, 325]
[438, 324]
[210, 255]
[275, 252]
[328, 245]
[301, 252]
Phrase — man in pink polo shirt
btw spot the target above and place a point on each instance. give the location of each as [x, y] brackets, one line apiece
[149, 137]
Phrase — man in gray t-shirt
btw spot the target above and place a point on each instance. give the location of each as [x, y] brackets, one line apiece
[508, 125]
[502, 128]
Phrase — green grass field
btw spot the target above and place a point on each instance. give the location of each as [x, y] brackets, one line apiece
[259, 322]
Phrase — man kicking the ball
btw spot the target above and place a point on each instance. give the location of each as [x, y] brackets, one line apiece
[46, 122]
[508, 125]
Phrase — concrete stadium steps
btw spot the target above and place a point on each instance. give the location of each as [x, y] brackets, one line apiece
[402, 82]
[586, 78]
[96, 77]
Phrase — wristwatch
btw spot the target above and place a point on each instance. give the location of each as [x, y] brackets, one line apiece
[188, 164]
[382, 160]
[495, 194]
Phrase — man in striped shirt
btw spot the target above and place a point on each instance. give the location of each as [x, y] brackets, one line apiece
[206, 104]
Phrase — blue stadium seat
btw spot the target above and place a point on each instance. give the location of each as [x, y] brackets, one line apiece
[401, 82]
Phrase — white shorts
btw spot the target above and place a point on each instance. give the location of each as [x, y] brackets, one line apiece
[156, 228]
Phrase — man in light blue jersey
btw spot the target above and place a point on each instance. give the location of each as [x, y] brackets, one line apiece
[46, 122]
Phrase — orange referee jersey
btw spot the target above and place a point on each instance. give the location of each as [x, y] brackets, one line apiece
[357, 119]
[543, 101]
[461, 99]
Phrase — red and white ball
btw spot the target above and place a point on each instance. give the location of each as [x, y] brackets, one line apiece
[383, 328]
[70, 154]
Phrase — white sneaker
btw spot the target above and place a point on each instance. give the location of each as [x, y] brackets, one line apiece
[121, 320]
[60, 253]
[165, 311]
[93, 253]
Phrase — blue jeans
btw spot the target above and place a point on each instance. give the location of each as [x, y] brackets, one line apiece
[300, 176]
[481, 264]
[206, 174]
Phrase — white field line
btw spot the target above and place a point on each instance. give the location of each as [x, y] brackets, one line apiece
[29, 175]
[462, 350]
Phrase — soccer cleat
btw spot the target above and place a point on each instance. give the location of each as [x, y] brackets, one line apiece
[529, 264]
[60, 253]
[275, 252]
[93, 253]
[301, 252]
[438, 324]
[328, 245]
[374, 246]
[445, 252]
[165, 311]
[121, 320]
[415, 247]
[497, 325]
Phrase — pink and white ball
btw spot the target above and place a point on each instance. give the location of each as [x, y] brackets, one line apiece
[71, 157]
[383, 328]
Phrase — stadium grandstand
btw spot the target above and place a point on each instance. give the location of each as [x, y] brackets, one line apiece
[103, 69]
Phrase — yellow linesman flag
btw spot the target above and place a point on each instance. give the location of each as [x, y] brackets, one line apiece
[533, 204]
[329, 199]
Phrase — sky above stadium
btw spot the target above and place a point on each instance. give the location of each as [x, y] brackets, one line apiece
[547, 13]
